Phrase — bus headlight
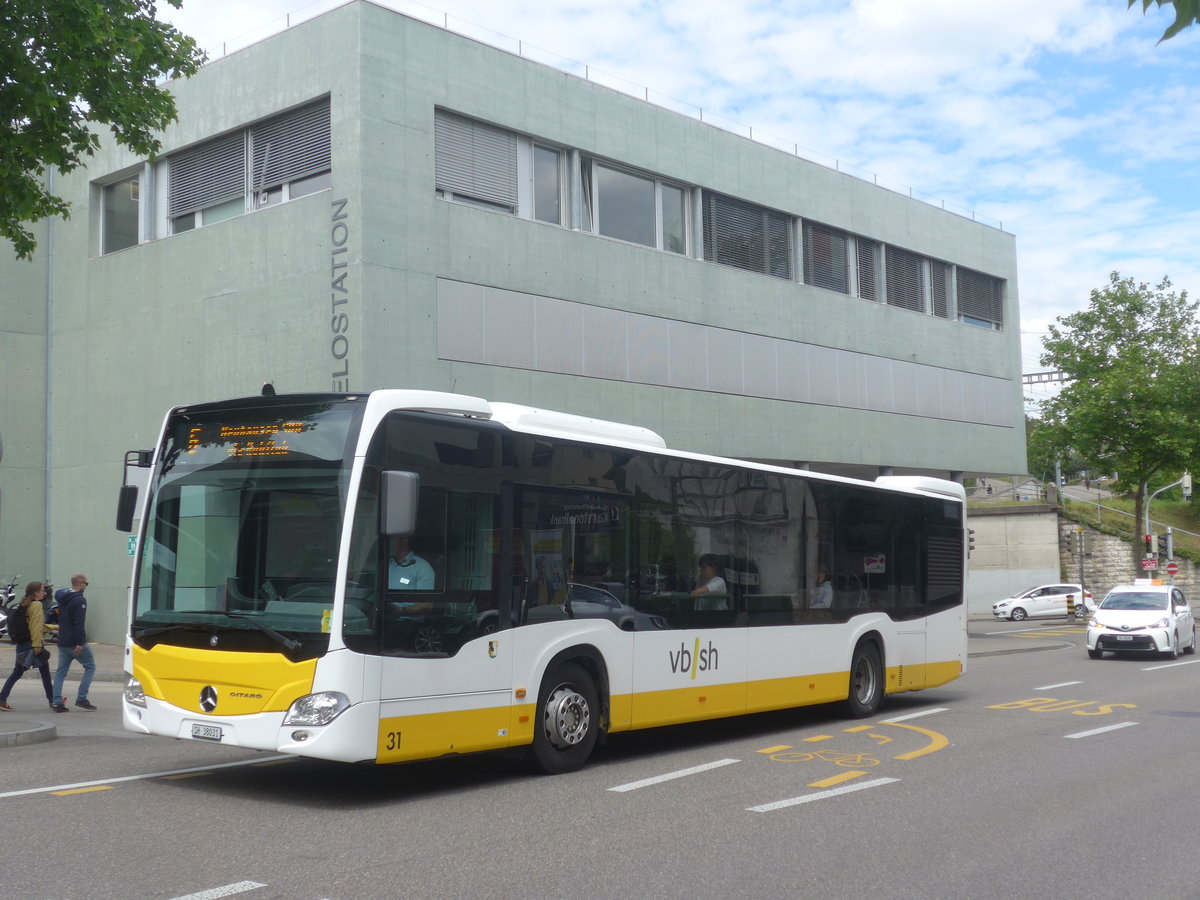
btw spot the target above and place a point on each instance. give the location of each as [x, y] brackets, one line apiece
[317, 709]
[134, 695]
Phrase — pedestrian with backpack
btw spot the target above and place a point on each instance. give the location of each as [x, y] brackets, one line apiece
[73, 645]
[25, 629]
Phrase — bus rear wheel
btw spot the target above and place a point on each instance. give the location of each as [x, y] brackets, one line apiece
[568, 720]
[866, 681]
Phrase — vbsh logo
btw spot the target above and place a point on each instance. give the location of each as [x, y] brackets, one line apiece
[689, 662]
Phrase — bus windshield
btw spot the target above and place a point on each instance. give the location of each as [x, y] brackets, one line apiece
[240, 548]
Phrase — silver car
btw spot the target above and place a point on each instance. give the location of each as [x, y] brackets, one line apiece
[1142, 618]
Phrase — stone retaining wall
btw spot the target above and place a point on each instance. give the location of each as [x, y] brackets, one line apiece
[1112, 560]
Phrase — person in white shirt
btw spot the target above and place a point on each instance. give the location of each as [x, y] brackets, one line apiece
[711, 583]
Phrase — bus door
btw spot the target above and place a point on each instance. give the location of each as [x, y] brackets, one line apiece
[573, 559]
[906, 579]
[446, 661]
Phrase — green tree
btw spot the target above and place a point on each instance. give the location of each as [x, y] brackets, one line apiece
[65, 66]
[1187, 13]
[1044, 453]
[1131, 399]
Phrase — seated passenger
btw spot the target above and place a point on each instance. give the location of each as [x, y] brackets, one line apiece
[822, 595]
[712, 591]
[407, 571]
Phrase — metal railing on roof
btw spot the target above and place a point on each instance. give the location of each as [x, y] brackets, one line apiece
[504, 42]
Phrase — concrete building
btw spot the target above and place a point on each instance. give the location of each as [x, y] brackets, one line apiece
[367, 200]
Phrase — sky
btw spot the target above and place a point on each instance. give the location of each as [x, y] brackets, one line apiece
[1064, 122]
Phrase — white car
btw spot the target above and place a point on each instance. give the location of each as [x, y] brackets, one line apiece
[1043, 601]
[1142, 617]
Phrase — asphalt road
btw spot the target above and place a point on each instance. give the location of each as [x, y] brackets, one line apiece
[1038, 774]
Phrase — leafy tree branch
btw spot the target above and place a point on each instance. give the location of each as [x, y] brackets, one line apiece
[66, 66]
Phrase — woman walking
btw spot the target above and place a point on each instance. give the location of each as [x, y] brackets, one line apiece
[30, 651]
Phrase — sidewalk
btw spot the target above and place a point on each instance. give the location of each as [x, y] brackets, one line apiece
[16, 730]
[980, 643]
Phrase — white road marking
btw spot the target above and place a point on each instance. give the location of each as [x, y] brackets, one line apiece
[821, 795]
[85, 784]
[240, 887]
[227, 891]
[1050, 687]
[1044, 629]
[1182, 662]
[916, 715]
[1117, 727]
[682, 773]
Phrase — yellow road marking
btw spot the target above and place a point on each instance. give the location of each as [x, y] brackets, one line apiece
[86, 790]
[936, 741]
[186, 775]
[836, 779]
[819, 737]
[858, 728]
[770, 750]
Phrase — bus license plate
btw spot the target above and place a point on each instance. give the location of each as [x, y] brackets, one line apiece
[206, 732]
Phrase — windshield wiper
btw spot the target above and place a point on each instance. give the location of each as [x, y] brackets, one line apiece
[213, 627]
[282, 639]
[167, 629]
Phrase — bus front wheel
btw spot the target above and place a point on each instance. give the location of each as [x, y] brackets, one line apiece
[568, 720]
[866, 681]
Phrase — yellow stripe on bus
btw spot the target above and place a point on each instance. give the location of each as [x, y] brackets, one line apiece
[430, 735]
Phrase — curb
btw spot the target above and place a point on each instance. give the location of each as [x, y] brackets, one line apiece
[18, 733]
[1059, 645]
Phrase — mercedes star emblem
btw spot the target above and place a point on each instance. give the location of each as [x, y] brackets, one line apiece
[208, 698]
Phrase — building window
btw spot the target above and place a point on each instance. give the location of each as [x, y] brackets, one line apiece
[980, 299]
[119, 214]
[475, 162]
[633, 206]
[905, 279]
[212, 175]
[292, 150]
[674, 218]
[547, 185]
[279, 159]
[746, 236]
[624, 206]
[825, 257]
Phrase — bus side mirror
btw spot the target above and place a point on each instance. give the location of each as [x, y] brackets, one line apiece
[126, 504]
[399, 508]
[127, 499]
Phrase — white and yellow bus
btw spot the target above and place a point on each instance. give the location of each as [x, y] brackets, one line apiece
[404, 575]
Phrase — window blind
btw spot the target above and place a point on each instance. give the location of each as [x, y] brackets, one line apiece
[475, 160]
[289, 147]
[746, 236]
[980, 296]
[825, 257]
[868, 268]
[939, 278]
[207, 175]
[905, 281]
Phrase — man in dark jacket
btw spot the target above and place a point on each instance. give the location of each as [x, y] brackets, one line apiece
[72, 644]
